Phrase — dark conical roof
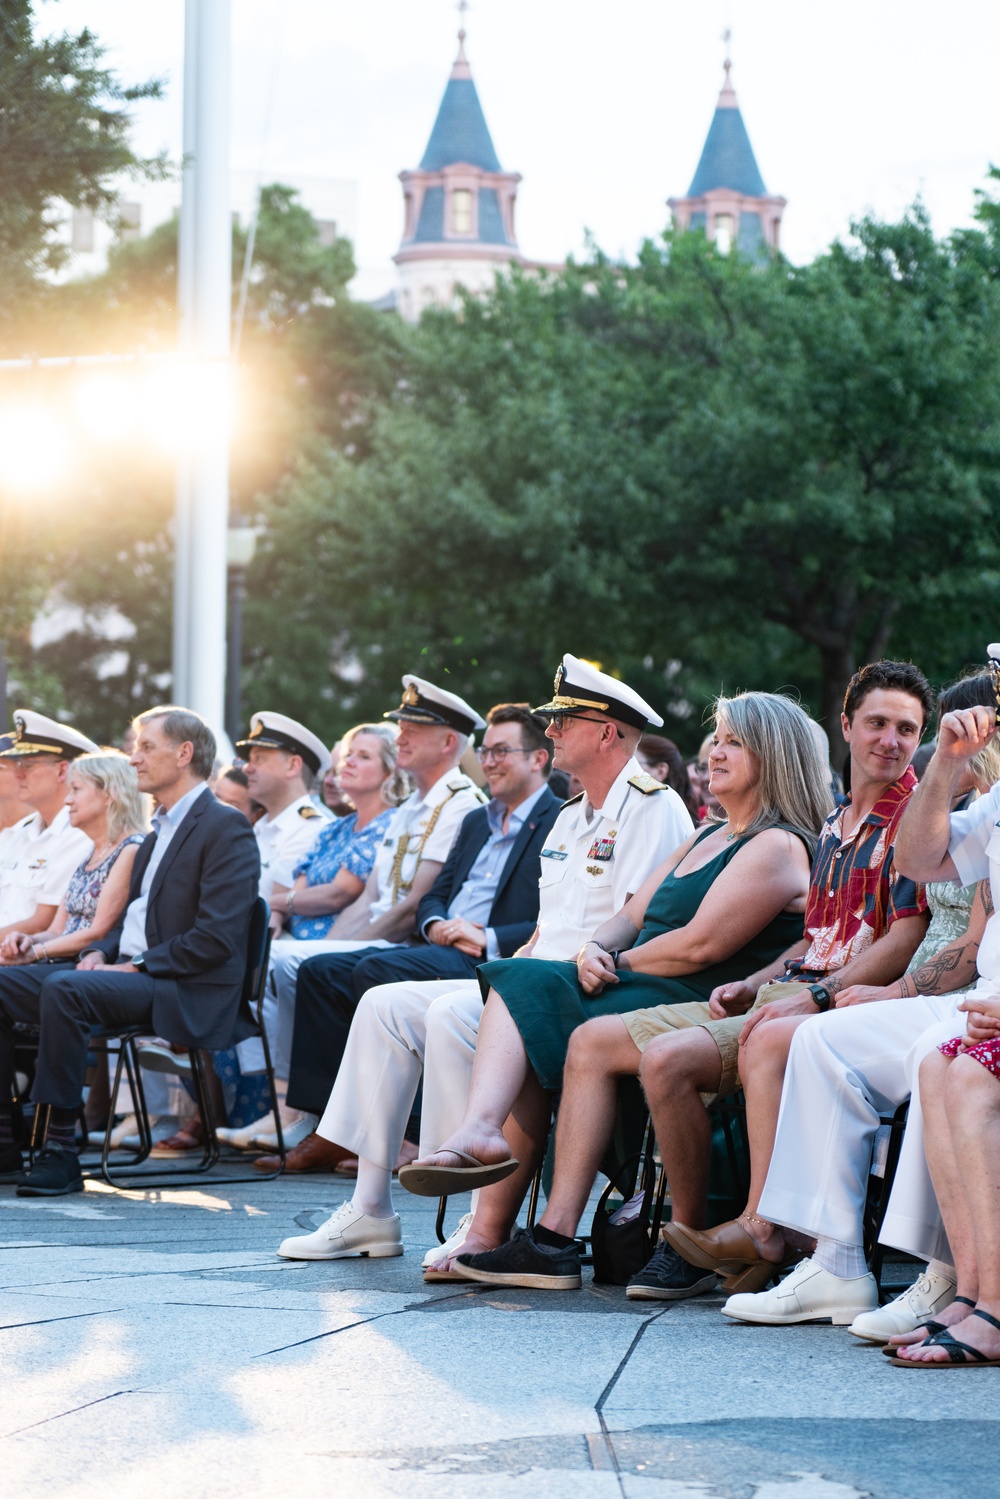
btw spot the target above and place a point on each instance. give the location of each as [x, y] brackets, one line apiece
[727, 159]
[460, 131]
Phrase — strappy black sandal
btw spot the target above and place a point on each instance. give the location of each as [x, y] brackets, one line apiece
[890, 1350]
[960, 1355]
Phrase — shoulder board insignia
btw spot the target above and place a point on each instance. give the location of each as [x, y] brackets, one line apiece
[572, 800]
[309, 812]
[646, 784]
[465, 784]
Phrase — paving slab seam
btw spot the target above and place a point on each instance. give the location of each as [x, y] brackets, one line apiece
[102, 1400]
[609, 1445]
[399, 1311]
[108, 1311]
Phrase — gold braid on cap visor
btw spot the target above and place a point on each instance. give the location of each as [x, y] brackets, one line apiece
[580, 702]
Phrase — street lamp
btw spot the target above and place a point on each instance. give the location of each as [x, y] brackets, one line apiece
[241, 543]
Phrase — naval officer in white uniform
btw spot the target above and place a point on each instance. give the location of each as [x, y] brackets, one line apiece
[39, 854]
[602, 846]
[284, 758]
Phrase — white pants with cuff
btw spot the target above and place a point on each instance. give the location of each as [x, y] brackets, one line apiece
[278, 1009]
[398, 1031]
[844, 1069]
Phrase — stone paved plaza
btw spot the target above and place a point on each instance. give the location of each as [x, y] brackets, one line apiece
[154, 1344]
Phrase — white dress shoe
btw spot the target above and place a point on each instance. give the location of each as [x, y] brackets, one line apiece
[160, 1128]
[450, 1246]
[294, 1130]
[808, 1294]
[928, 1296]
[348, 1233]
[156, 1058]
[243, 1138]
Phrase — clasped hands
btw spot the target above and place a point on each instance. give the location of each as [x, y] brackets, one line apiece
[595, 969]
[983, 1023]
[453, 931]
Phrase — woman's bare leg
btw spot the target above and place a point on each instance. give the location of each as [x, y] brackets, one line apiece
[972, 1106]
[676, 1069]
[947, 1178]
[499, 1074]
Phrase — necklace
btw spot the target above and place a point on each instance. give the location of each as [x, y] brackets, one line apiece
[736, 833]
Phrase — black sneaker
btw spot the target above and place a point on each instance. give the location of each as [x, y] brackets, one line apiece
[669, 1278]
[11, 1163]
[524, 1262]
[56, 1173]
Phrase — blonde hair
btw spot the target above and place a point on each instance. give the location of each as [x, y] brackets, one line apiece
[111, 772]
[397, 785]
[793, 784]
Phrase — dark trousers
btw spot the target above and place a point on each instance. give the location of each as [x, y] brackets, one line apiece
[65, 1003]
[328, 990]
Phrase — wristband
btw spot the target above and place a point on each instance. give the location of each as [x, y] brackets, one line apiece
[612, 952]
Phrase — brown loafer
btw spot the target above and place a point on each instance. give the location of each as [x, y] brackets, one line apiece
[313, 1154]
[725, 1248]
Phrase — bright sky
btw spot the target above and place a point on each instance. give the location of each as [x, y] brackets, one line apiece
[602, 107]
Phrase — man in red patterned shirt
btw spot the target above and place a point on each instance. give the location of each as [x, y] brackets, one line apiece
[863, 923]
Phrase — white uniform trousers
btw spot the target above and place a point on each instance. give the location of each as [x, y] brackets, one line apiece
[844, 1069]
[278, 1009]
[398, 1031]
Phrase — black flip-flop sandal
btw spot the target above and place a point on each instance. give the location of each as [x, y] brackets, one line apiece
[955, 1350]
[890, 1350]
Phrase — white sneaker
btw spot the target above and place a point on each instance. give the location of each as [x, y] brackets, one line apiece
[294, 1130]
[450, 1246]
[347, 1233]
[808, 1294]
[928, 1295]
[243, 1138]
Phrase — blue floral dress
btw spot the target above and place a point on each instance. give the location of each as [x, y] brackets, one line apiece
[338, 847]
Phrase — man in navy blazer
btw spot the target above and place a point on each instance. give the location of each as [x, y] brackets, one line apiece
[175, 961]
[483, 904]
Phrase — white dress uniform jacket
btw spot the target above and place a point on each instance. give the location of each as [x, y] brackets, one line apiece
[284, 841]
[424, 827]
[36, 864]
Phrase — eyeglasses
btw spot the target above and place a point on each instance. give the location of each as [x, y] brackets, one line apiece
[557, 720]
[499, 754]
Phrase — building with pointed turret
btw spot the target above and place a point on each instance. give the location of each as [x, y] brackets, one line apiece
[727, 198]
[459, 227]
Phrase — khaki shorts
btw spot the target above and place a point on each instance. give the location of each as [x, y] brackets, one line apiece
[644, 1025]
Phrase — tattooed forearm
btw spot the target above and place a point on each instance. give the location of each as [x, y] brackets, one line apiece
[952, 968]
[984, 895]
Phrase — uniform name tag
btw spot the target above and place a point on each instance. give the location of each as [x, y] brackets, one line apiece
[554, 853]
[602, 848]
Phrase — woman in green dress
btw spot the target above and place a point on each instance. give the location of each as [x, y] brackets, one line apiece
[734, 893]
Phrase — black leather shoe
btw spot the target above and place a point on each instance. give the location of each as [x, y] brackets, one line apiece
[524, 1262]
[56, 1173]
[11, 1164]
[669, 1278]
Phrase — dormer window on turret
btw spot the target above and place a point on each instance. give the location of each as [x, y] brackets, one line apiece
[461, 210]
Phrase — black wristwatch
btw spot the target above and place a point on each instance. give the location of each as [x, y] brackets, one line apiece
[822, 996]
[612, 952]
[139, 964]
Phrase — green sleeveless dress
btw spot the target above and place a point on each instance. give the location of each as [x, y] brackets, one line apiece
[545, 997]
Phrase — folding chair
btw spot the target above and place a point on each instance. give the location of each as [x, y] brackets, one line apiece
[885, 1159]
[249, 1022]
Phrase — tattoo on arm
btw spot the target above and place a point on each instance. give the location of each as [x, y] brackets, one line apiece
[984, 895]
[948, 970]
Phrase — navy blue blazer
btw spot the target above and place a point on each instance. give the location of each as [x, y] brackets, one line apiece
[514, 913]
[197, 923]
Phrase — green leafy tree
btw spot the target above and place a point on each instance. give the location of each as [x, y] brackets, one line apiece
[64, 138]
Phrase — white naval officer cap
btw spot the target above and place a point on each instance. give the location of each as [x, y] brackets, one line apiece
[277, 731]
[34, 734]
[425, 703]
[580, 688]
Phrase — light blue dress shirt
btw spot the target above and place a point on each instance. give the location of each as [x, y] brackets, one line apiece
[165, 824]
[474, 901]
